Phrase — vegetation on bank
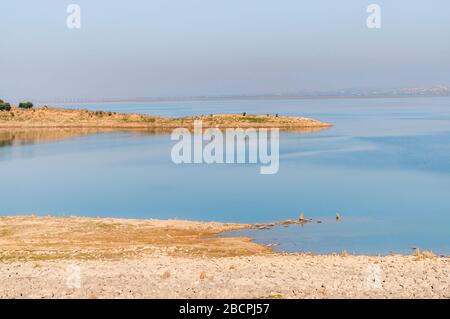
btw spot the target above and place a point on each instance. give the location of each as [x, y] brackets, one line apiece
[25, 105]
[4, 106]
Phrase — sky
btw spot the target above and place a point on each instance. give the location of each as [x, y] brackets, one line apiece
[161, 48]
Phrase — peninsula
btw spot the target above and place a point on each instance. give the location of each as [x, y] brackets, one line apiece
[53, 117]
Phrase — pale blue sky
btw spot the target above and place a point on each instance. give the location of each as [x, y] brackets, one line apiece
[145, 48]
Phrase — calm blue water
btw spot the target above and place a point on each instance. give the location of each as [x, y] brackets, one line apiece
[384, 166]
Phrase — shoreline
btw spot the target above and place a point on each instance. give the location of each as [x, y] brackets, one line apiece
[132, 258]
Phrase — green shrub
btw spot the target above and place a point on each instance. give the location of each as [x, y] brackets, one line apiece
[254, 119]
[5, 106]
[25, 105]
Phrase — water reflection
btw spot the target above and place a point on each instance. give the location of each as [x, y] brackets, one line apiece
[24, 136]
[17, 137]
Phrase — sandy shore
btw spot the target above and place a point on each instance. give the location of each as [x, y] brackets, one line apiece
[48, 257]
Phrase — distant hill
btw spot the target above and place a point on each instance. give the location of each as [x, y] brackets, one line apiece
[397, 92]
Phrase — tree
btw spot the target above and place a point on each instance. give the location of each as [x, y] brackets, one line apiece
[25, 105]
[4, 106]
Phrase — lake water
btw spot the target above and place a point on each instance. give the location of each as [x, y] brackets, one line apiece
[384, 166]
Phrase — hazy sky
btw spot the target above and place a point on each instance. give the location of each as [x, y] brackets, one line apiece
[145, 48]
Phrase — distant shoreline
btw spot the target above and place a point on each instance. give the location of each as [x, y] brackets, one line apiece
[234, 98]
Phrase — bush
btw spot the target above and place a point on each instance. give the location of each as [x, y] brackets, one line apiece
[5, 106]
[25, 105]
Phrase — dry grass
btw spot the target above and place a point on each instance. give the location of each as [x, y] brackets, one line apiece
[426, 254]
[53, 238]
[165, 275]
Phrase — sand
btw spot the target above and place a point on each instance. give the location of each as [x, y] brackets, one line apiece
[274, 276]
[49, 257]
